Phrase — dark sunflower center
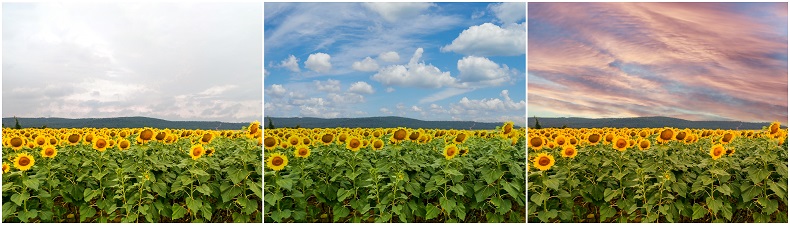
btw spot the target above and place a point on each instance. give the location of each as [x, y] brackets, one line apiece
[197, 152]
[53, 141]
[89, 138]
[303, 152]
[24, 161]
[277, 161]
[377, 144]
[101, 143]
[209, 151]
[644, 144]
[572, 141]
[161, 136]
[536, 141]
[124, 144]
[729, 151]
[681, 136]
[727, 138]
[594, 138]
[544, 161]
[16, 142]
[569, 152]
[327, 138]
[463, 151]
[354, 143]
[451, 151]
[74, 138]
[294, 141]
[414, 136]
[460, 138]
[774, 128]
[146, 135]
[49, 152]
[717, 152]
[269, 142]
[342, 138]
[508, 128]
[560, 141]
[400, 134]
[666, 134]
[621, 143]
[40, 141]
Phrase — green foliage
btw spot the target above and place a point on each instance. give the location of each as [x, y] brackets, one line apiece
[407, 182]
[153, 182]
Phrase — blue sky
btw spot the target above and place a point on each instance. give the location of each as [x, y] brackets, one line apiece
[429, 61]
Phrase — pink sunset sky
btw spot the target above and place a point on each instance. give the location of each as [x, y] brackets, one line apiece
[694, 61]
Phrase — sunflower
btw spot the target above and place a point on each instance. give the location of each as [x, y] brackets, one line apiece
[6, 167]
[717, 151]
[327, 138]
[17, 142]
[276, 161]
[353, 143]
[197, 151]
[543, 161]
[254, 126]
[460, 138]
[730, 151]
[569, 151]
[644, 143]
[560, 139]
[210, 151]
[399, 135]
[40, 140]
[100, 143]
[507, 127]
[161, 135]
[536, 142]
[294, 140]
[773, 129]
[666, 135]
[49, 151]
[620, 143]
[52, 141]
[270, 143]
[727, 138]
[378, 144]
[88, 138]
[145, 135]
[23, 161]
[302, 151]
[307, 141]
[450, 151]
[593, 138]
[124, 144]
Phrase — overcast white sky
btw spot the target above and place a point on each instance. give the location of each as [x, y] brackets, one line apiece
[175, 61]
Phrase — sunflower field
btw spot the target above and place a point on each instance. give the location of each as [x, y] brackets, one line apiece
[132, 175]
[394, 175]
[657, 175]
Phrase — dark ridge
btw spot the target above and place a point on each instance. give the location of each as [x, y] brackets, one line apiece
[374, 122]
[120, 122]
[643, 122]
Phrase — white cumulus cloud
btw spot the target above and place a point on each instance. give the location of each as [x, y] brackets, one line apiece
[394, 11]
[328, 85]
[291, 63]
[276, 90]
[366, 65]
[389, 57]
[414, 74]
[318, 62]
[481, 70]
[490, 40]
[509, 12]
[361, 87]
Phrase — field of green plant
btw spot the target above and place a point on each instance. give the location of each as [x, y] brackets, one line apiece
[657, 175]
[131, 175]
[394, 175]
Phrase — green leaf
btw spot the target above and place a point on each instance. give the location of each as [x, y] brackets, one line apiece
[273, 198]
[18, 199]
[178, 211]
[759, 175]
[342, 194]
[199, 172]
[86, 211]
[194, 204]
[492, 175]
[777, 190]
[447, 204]
[339, 212]
[285, 183]
[31, 183]
[546, 216]
[719, 172]
[431, 211]
[255, 188]
[726, 211]
[769, 206]
[458, 189]
[206, 210]
[609, 194]
[9, 208]
[724, 189]
[90, 194]
[699, 212]
[552, 183]
[606, 211]
[160, 188]
[204, 189]
[237, 175]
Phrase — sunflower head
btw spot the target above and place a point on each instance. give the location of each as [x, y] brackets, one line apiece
[276, 161]
[399, 135]
[774, 128]
[450, 151]
[271, 142]
[593, 138]
[536, 142]
[6, 167]
[666, 135]
[24, 162]
[327, 138]
[716, 151]
[727, 138]
[124, 144]
[353, 143]
[378, 144]
[146, 135]
[100, 143]
[507, 127]
[644, 144]
[49, 151]
[17, 142]
[197, 151]
[543, 161]
[302, 151]
[620, 143]
[569, 151]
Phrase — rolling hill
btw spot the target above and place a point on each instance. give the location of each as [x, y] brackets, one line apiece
[373, 122]
[640, 122]
[121, 122]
